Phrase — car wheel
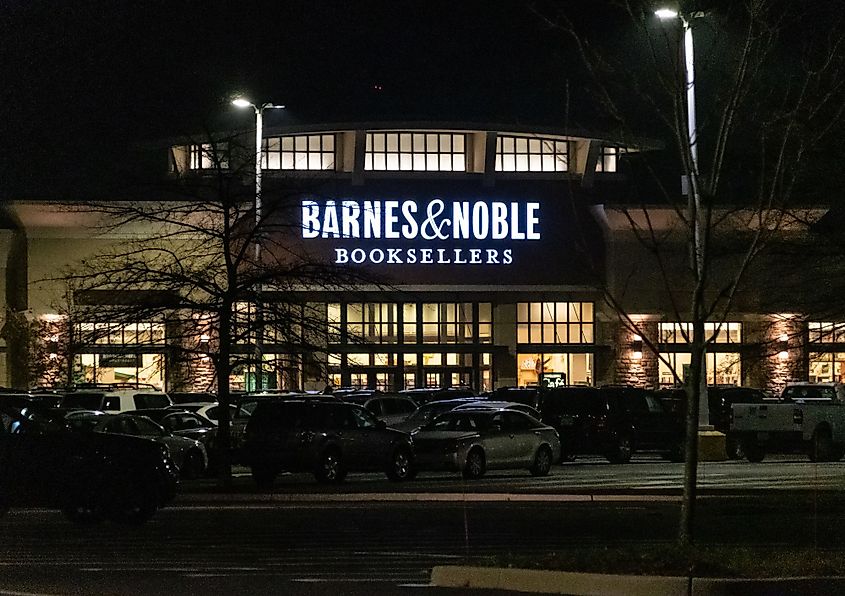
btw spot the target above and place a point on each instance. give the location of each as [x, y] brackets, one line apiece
[401, 465]
[263, 476]
[733, 448]
[330, 467]
[753, 451]
[475, 465]
[542, 462]
[621, 452]
[821, 447]
[135, 503]
[193, 465]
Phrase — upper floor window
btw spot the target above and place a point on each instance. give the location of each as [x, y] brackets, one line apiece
[208, 156]
[826, 333]
[121, 333]
[609, 159]
[531, 154]
[299, 152]
[720, 333]
[554, 322]
[373, 322]
[421, 152]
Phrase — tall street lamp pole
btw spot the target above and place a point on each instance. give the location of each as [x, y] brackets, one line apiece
[694, 192]
[259, 142]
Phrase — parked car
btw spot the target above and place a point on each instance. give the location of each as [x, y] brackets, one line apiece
[122, 400]
[189, 455]
[530, 396]
[392, 409]
[328, 438]
[191, 425]
[191, 397]
[209, 411]
[612, 421]
[245, 405]
[502, 405]
[431, 410]
[427, 394]
[720, 399]
[473, 441]
[87, 475]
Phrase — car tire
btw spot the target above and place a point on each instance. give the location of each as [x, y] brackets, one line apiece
[263, 476]
[821, 446]
[621, 452]
[475, 464]
[134, 503]
[753, 451]
[733, 448]
[329, 468]
[401, 466]
[542, 462]
[193, 465]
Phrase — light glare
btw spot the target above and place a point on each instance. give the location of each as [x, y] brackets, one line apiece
[241, 102]
[666, 13]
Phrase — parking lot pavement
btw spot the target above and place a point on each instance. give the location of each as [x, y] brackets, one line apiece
[645, 474]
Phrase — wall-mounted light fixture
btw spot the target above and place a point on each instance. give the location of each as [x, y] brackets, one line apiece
[783, 346]
[636, 347]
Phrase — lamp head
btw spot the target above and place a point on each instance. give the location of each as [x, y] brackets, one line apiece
[664, 14]
[240, 102]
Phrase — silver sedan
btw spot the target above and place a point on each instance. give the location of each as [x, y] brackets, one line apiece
[474, 441]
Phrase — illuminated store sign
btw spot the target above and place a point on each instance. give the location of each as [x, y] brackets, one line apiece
[436, 222]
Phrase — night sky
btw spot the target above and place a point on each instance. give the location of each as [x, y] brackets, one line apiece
[81, 79]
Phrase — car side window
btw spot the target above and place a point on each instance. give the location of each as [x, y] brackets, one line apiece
[363, 419]
[111, 402]
[146, 428]
[402, 406]
[497, 423]
[374, 407]
[514, 421]
[653, 404]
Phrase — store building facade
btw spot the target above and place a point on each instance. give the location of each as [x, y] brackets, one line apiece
[493, 248]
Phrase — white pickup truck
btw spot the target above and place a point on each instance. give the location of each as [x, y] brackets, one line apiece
[809, 418]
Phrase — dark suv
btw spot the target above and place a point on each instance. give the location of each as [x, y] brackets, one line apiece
[88, 476]
[324, 437]
[611, 421]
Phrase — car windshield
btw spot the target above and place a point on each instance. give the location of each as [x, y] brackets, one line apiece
[460, 421]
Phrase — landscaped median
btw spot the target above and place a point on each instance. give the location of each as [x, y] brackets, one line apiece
[656, 570]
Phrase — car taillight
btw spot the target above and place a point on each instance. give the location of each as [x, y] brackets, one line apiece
[797, 416]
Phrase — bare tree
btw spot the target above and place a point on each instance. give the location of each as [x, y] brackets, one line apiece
[188, 258]
[770, 97]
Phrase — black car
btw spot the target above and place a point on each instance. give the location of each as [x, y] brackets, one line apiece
[87, 475]
[612, 421]
[324, 437]
[720, 398]
[530, 396]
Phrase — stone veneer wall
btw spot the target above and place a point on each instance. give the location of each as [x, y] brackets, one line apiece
[788, 365]
[642, 372]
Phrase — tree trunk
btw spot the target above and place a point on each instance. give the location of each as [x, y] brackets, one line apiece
[686, 529]
[224, 427]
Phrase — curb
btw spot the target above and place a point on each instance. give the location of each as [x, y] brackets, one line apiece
[603, 584]
[189, 498]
